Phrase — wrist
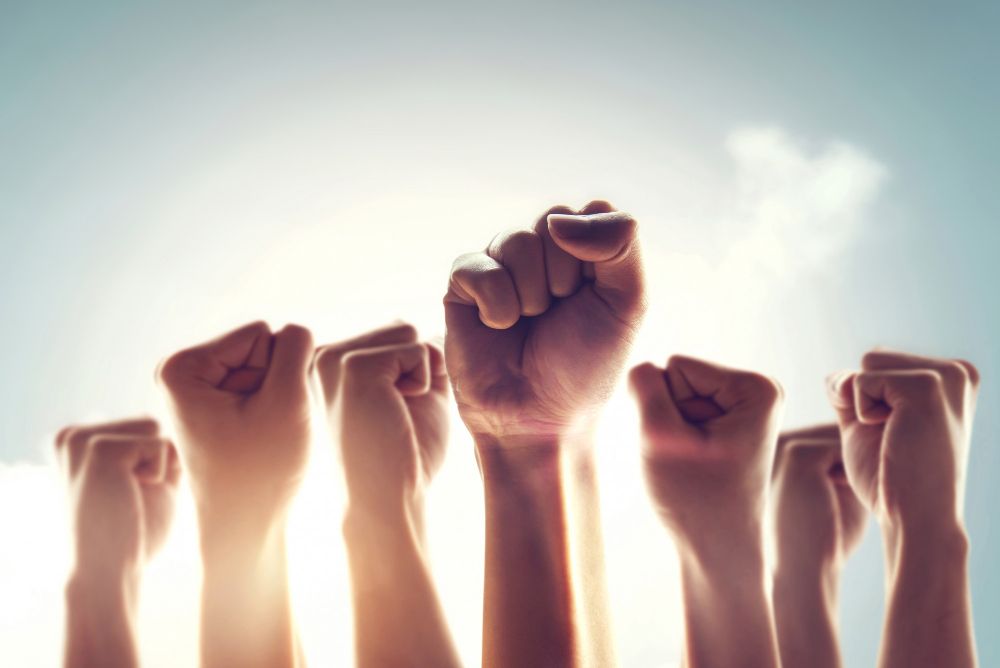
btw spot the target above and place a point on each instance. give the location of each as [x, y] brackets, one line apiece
[239, 538]
[937, 547]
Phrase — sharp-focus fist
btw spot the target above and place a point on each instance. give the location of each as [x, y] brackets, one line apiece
[241, 406]
[540, 323]
[906, 423]
[818, 520]
[386, 395]
[123, 480]
[708, 440]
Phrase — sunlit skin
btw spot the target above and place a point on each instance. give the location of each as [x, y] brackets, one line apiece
[241, 408]
[123, 480]
[907, 422]
[386, 395]
[818, 521]
[539, 326]
[708, 441]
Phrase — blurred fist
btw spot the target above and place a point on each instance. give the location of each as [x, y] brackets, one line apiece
[241, 405]
[708, 441]
[123, 480]
[386, 397]
[540, 323]
[818, 520]
[906, 423]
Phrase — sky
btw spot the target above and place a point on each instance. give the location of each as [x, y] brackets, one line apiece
[810, 182]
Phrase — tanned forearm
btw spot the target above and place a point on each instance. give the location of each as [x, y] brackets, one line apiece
[398, 620]
[929, 611]
[528, 616]
[728, 618]
[805, 613]
[245, 605]
[100, 629]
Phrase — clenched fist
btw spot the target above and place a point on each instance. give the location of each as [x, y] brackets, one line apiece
[818, 520]
[242, 412]
[907, 421]
[386, 394]
[708, 440]
[123, 479]
[540, 323]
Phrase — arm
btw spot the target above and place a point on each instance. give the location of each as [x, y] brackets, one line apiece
[386, 396]
[123, 479]
[907, 422]
[818, 521]
[539, 325]
[708, 442]
[242, 413]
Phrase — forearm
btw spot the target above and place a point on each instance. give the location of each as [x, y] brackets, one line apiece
[928, 611]
[728, 620]
[245, 606]
[805, 614]
[528, 616]
[100, 628]
[398, 620]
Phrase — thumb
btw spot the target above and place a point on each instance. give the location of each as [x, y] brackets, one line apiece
[291, 355]
[608, 240]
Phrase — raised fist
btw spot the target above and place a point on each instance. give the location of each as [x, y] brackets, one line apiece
[906, 423]
[123, 480]
[818, 520]
[386, 395]
[708, 441]
[242, 413]
[540, 323]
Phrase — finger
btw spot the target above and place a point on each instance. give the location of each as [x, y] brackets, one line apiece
[727, 388]
[648, 385]
[840, 394]
[291, 354]
[957, 375]
[597, 206]
[878, 393]
[438, 371]
[71, 442]
[562, 270]
[608, 240]
[173, 474]
[824, 433]
[210, 363]
[809, 455]
[326, 360]
[520, 251]
[479, 280]
[405, 367]
[144, 456]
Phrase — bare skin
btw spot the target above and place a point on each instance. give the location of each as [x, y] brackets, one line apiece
[818, 521]
[539, 326]
[386, 396]
[907, 422]
[122, 481]
[241, 408]
[709, 436]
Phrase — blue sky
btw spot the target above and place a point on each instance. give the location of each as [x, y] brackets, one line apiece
[169, 170]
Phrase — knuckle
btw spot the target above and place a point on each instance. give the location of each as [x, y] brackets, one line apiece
[519, 242]
[972, 373]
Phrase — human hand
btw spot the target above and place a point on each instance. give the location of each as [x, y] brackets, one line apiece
[708, 439]
[123, 480]
[540, 323]
[386, 396]
[818, 520]
[242, 413]
[906, 423]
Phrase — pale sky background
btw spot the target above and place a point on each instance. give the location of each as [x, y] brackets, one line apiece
[810, 182]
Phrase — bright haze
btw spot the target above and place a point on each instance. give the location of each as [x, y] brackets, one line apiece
[809, 183]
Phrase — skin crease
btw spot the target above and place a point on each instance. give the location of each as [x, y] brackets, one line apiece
[708, 436]
[906, 422]
[386, 396]
[818, 521]
[539, 326]
[122, 480]
[241, 410]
